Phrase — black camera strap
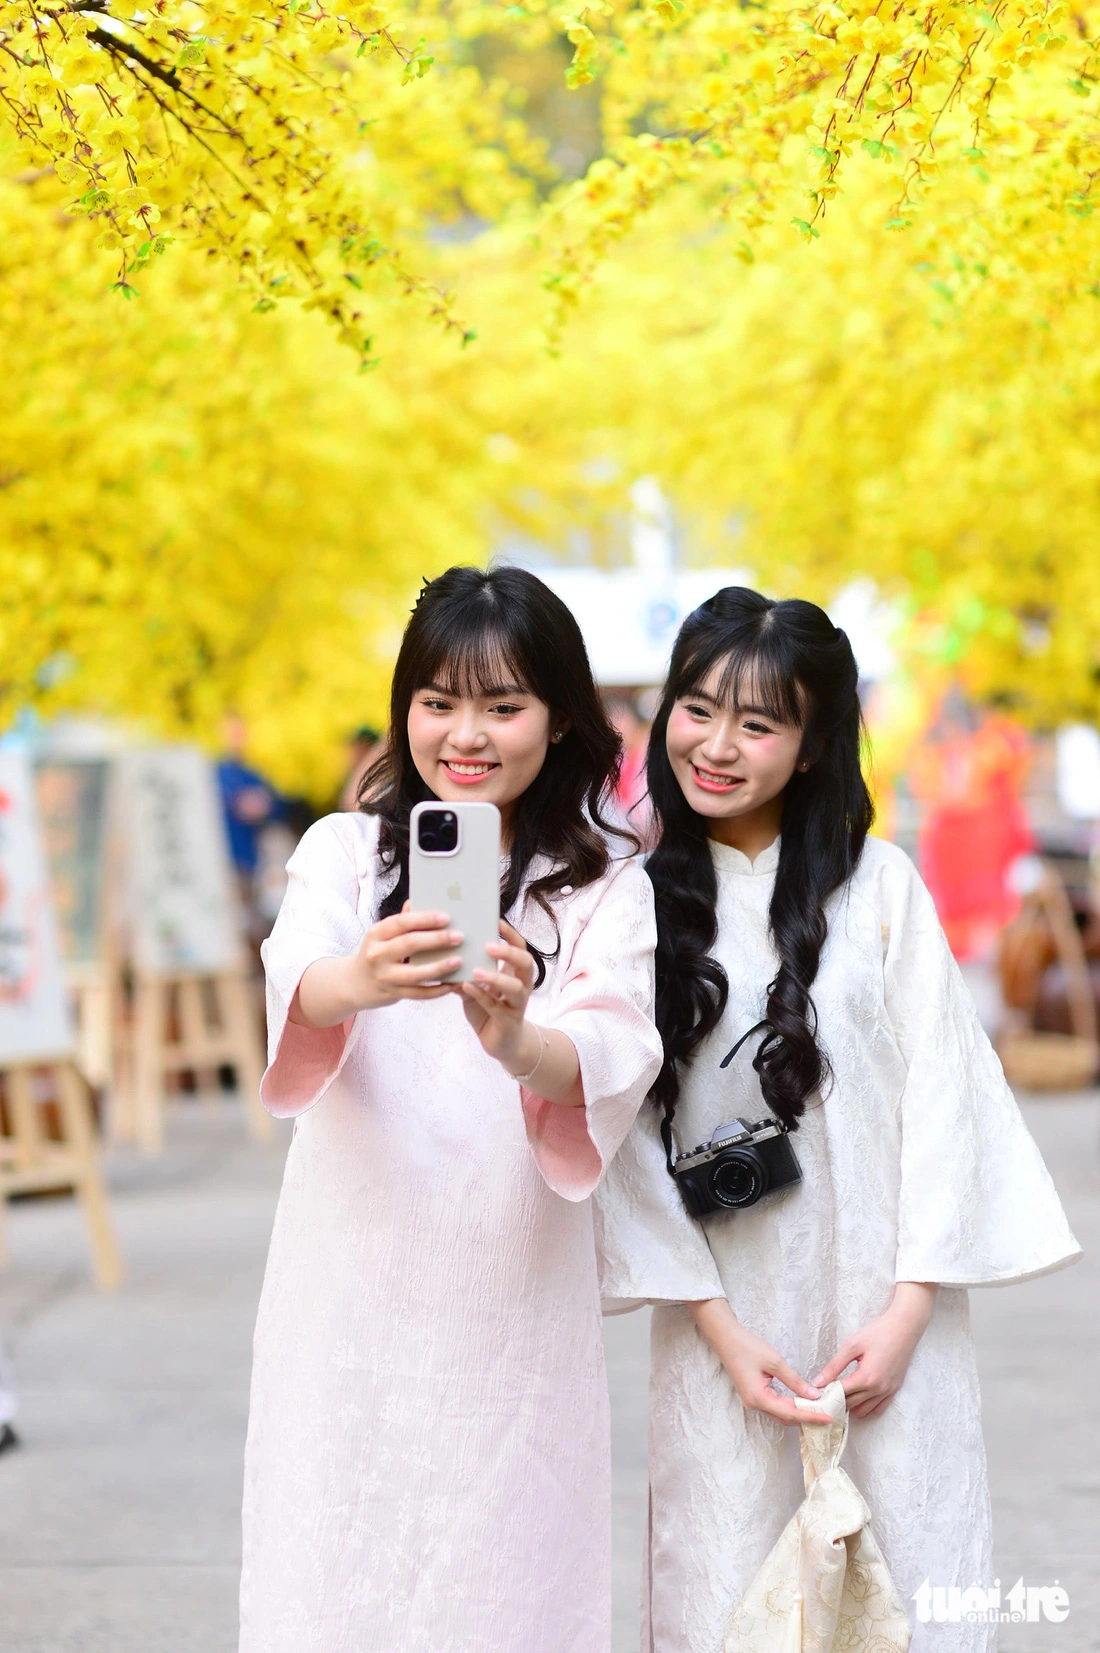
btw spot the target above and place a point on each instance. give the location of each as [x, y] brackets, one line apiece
[666, 1122]
[726, 1060]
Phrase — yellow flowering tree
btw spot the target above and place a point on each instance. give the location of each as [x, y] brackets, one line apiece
[203, 506]
[865, 409]
[205, 509]
[310, 145]
[759, 112]
[302, 147]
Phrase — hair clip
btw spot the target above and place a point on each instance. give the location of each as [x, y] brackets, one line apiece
[424, 584]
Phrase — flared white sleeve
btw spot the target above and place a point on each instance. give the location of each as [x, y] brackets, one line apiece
[648, 1248]
[318, 919]
[977, 1205]
[605, 1006]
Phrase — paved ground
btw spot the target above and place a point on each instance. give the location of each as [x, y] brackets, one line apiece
[118, 1517]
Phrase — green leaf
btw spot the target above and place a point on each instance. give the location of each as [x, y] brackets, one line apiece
[125, 289]
[805, 228]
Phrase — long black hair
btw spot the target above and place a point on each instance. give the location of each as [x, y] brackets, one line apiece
[468, 627]
[799, 666]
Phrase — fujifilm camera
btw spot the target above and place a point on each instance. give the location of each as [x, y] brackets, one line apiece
[741, 1163]
[738, 1166]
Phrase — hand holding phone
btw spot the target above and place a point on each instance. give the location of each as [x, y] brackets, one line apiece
[454, 868]
[495, 1002]
[387, 965]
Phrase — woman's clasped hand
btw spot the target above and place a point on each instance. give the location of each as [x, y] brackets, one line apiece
[878, 1355]
[753, 1366]
[881, 1351]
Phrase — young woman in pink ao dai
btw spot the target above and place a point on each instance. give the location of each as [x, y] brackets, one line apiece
[427, 1467]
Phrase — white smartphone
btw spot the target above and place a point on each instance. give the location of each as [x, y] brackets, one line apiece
[454, 868]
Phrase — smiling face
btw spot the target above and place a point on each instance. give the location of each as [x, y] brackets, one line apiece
[488, 747]
[732, 762]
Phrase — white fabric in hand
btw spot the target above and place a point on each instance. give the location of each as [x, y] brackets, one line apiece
[825, 1587]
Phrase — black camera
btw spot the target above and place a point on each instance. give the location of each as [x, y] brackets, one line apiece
[738, 1166]
[741, 1163]
[437, 831]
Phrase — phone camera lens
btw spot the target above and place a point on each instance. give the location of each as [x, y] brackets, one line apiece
[437, 831]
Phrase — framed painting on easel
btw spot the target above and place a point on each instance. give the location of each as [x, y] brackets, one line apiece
[193, 1002]
[36, 1033]
[74, 798]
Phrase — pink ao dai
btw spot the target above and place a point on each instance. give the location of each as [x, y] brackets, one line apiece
[427, 1468]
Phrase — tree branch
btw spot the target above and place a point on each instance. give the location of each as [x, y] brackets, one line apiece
[113, 44]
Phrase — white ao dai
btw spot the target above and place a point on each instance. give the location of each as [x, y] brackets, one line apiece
[916, 1166]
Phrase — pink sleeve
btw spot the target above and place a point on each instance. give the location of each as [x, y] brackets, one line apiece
[318, 919]
[605, 1006]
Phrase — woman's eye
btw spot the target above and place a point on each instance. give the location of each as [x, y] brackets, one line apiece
[434, 704]
[697, 711]
[757, 729]
[505, 709]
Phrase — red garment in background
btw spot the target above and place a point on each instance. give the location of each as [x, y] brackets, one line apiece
[632, 782]
[974, 829]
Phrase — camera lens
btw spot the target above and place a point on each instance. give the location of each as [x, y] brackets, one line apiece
[437, 831]
[737, 1179]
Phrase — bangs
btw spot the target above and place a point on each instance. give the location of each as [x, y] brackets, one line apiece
[473, 660]
[758, 677]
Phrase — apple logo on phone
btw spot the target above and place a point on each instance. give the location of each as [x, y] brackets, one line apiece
[455, 892]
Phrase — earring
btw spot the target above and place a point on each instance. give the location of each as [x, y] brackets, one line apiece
[557, 735]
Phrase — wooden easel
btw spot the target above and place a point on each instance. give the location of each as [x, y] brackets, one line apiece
[32, 1163]
[189, 1023]
[93, 989]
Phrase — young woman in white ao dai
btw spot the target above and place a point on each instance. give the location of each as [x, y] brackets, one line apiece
[916, 1166]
